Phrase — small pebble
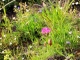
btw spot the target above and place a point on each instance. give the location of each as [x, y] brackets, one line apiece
[50, 42]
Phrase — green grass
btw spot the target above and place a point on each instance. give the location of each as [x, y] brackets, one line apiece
[60, 22]
[28, 29]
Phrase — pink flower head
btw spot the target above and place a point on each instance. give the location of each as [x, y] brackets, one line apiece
[45, 30]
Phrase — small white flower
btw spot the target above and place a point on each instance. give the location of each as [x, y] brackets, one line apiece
[4, 16]
[77, 3]
[78, 36]
[4, 36]
[22, 58]
[27, 10]
[30, 47]
[26, 5]
[15, 38]
[2, 51]
[61, 8]
[0, 8]
[0, 43]
[68, 42]
[15, 6]
[3, 0]
[40, 11]
[72, 3]
[14, 18]
[70, 32]
[0, 38]
[10, 43]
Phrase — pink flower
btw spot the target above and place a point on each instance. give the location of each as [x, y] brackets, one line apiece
[45, 30]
